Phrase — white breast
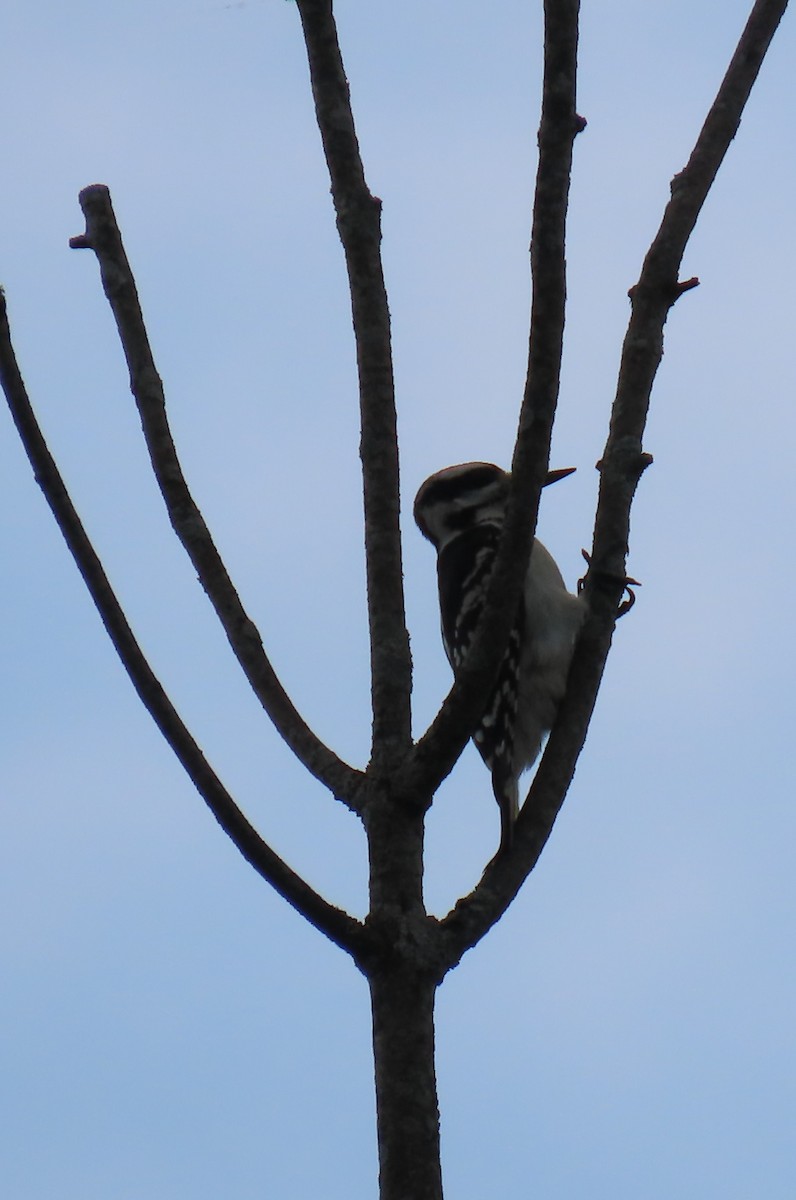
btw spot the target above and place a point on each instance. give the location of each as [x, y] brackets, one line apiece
[553, 617]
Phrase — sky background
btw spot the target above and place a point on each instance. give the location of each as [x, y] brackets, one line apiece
[170, 1029]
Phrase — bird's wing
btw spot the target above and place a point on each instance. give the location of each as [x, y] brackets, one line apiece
[463, 582]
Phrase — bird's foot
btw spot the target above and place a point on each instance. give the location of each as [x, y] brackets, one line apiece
[625, 580]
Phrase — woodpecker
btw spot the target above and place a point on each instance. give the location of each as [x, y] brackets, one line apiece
[461, 511]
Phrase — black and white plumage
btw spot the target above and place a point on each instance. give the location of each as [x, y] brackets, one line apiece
[460, 510]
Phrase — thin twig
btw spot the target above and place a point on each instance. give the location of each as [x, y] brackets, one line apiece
[359, 225]
[439, 748]
[103, 237]
[621, 467]
[341, 928]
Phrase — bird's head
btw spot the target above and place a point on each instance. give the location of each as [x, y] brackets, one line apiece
[458, 498]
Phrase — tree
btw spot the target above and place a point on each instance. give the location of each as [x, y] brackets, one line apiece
[603, 601]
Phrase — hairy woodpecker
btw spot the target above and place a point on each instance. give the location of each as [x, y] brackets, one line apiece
[460, 510]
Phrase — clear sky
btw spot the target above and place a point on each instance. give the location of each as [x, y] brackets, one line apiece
[170, 1029]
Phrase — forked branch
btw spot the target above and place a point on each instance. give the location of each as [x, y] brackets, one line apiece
[343, 929]
[103, 237]
[621, 467]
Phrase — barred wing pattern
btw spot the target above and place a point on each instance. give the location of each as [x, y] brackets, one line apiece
[464, 568]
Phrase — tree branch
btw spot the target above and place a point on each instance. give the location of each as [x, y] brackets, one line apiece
[621, 467]
[657, 290]
[441, 745]
[103, 237]
[341, 928]
[359, 225]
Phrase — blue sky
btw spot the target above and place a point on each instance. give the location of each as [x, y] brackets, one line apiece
[170, 1029]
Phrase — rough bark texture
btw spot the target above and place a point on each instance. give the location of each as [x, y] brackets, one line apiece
[403, 965]
[402, 1002]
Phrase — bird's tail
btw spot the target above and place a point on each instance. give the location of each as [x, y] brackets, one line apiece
[507, 794]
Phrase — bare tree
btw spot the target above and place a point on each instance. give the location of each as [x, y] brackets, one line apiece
[404, 952]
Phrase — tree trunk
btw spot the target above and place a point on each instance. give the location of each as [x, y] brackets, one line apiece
[402, 1001]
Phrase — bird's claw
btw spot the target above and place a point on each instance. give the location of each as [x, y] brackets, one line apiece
[626, 581]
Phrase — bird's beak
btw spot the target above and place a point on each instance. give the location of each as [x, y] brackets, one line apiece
[561, 473]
